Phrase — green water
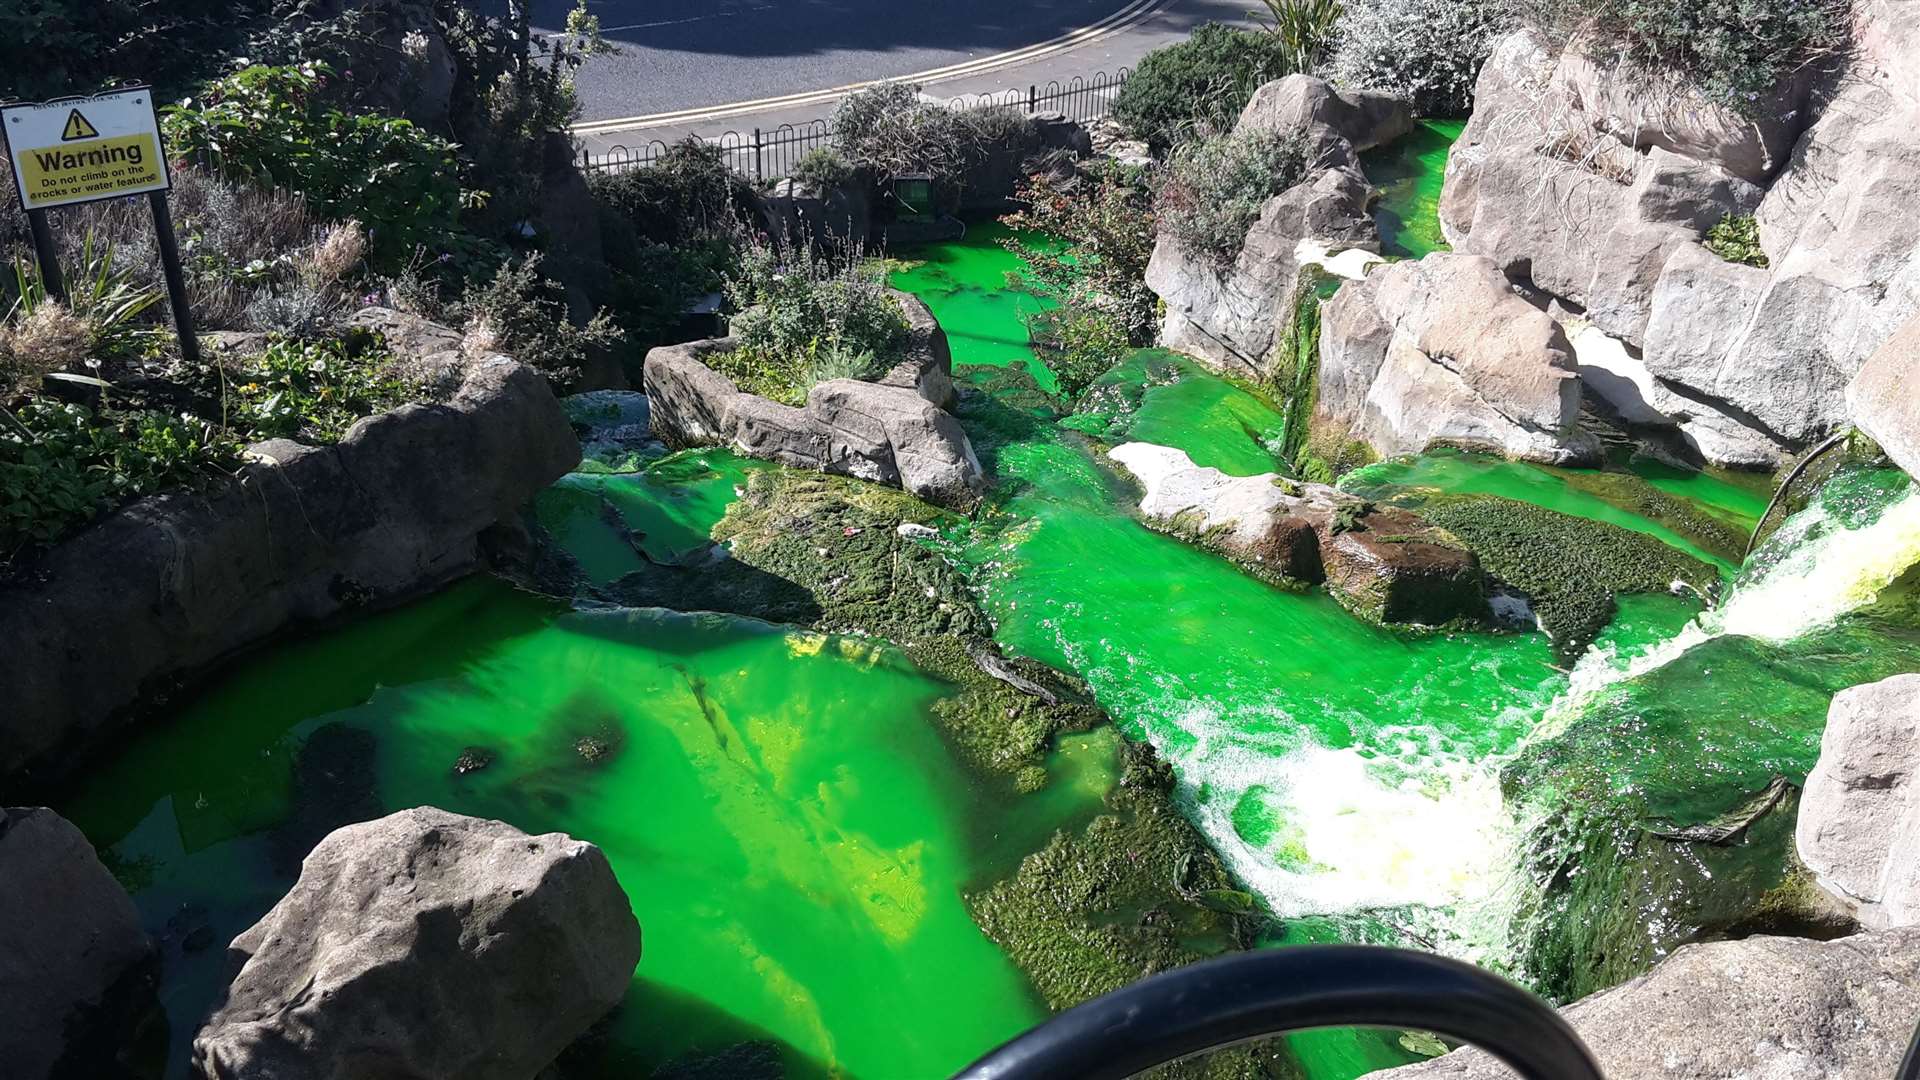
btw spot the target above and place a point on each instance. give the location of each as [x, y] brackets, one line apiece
[614, 522]
[1409, 173]
[967, 281]
[792, 833]
[1162, 397]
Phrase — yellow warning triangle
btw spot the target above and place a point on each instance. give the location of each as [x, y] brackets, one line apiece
[78, 128]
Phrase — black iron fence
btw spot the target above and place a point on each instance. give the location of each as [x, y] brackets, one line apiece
[764, 154]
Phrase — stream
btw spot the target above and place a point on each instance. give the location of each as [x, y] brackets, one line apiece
[797, 839]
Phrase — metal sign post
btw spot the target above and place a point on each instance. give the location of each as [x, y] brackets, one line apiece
[83, 149]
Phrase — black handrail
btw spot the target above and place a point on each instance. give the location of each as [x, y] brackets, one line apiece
[1236, 999]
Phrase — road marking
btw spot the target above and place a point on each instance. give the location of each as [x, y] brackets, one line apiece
[1126, 18]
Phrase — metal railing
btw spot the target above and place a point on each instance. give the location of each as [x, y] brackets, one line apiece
[765, 154]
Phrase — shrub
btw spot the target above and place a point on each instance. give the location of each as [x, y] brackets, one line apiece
[1091, 233]
[316, 390]
[63, 465]
[801, 320]
[1214, 188]
[686, 194]
[1428, 51]
[524, 314]
[106, 306]
[1079, 341]
[1737, 239]
[890, 129]
[1306, 28]
[1732, 51]
[1198, 86]
[267, 126]
[54, 47]
[824, 168]
[649, 301]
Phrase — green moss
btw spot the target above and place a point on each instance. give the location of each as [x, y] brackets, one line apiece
[1134, 893]
[1570, 567]
[1636, 496]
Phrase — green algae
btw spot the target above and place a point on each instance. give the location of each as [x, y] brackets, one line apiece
[1409, 173]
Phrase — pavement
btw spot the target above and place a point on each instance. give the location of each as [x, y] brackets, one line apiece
[709, 67]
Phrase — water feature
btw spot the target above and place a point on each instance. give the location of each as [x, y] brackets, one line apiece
[1408, 172]
[797, 838]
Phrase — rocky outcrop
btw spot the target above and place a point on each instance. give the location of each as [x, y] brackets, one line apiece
[1884, 399]
[1595, 183]
[893, 431]
[1385, 565]
[1859, 825]
[1230, 315]
[166, 586]
[1758, 1007]
[72, 950]
[427, 946]
[832, 218]
[1442, 351]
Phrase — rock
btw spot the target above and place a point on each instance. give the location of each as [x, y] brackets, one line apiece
[1672, 189]
[1761, 1007]
[833, 219]
[1056, 131]
[70, 946]
[426, 945]
[425, 352]
[1362, 119]
[1230, 316]
[1884, 398]
[1384, 565]
[893, 431]
[1450, 355]
[1859, 827]
[166, 586]
[1388, 566]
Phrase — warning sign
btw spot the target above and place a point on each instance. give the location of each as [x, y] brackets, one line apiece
[82, 149]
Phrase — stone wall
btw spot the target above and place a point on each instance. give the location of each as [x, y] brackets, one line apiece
[156, 592]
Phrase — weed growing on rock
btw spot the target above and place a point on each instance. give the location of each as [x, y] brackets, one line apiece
[316, 390]
[801, 320]
[1737, 239]
[524, 314]
[1214, 188]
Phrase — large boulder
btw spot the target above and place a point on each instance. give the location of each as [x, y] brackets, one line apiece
[1761, 1007]
[161, 589]
[1230, 315]
[895, 430]
[1328, 116]
[1859, 827]
[1595, 185]
[425, 946]
[1384, 565]
[833, 218]
[1884, 398]
[1443, 351]
[72, 951]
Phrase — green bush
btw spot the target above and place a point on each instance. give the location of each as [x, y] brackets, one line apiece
[63, 465]
[889, 129]
[1198, 86]
[1732, 51]
[1427, 51]
[1306, 28]
[801, 320]
[1078, 341]
[688, 193]
[648, 300]
[524, 314]
[1737, 239]
[50, 48]
[1091, 232]
[316, 390]
[1214, 188]
[267, 126]
[824, 168]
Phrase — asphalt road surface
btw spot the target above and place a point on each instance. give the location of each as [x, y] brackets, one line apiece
[681, 54]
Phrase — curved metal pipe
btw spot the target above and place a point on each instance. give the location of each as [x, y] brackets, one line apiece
[1236, 999]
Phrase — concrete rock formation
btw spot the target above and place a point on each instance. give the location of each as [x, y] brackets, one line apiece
[1596, 184]
[168, 585]
[1384, 565]
[1884, 399]
[71, 941]
[1442, 351]
[1230, 316]
[893, 431]
[425, 946]
[1859, 825]
[1761, 1007]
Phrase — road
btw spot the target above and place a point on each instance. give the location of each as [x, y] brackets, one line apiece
[685, 64]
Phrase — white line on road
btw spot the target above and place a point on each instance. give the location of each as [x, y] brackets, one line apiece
[1126, 18]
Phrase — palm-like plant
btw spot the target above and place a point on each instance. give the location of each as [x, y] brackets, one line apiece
[1307, 29]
